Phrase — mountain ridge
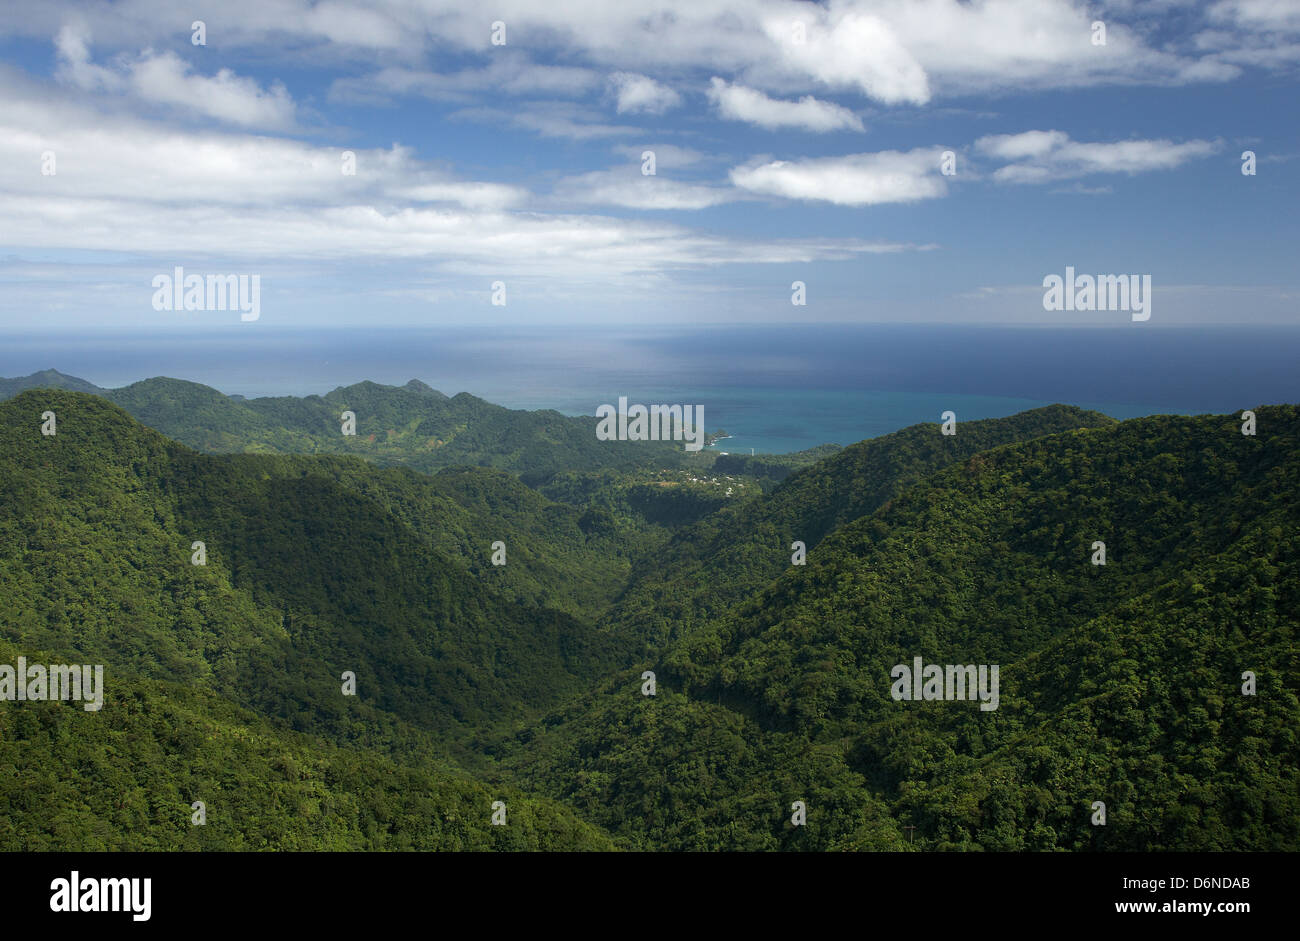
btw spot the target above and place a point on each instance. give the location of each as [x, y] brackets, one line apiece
[1120, 681]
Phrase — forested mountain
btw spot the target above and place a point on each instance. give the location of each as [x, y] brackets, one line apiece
[709, 567]
[1119, 683]
[412, 425]
[46, 379]
[304, 577]
[127, 778]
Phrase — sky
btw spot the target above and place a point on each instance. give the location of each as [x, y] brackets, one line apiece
[905, 160]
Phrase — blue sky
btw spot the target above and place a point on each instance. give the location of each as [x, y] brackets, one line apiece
[792, 141]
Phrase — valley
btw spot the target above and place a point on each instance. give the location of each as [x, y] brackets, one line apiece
[478, 682]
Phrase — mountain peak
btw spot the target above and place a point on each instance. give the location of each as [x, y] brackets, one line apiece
[45, 379]
[415, 385]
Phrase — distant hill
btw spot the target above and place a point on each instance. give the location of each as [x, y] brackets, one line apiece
[46, 379]
[411, 425]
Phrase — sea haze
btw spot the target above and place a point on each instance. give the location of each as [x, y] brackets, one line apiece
[774, 388]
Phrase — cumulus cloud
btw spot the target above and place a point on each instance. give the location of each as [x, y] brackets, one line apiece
[131, 160]
[1044, 156]
[72, 47]
[891, 51]
[845, 47]
[1262, 33]
[856, 180]
[137, 188]
[739, 103]
[1030, 144]
[639, 93]
[164, 78]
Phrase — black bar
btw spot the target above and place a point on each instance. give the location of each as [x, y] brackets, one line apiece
[655, 891]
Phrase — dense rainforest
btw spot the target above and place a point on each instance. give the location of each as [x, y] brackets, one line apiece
[499, 585]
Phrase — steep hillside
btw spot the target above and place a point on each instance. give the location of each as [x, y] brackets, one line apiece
[304, 579]
[708, 568]
[1119, 683]
[125, 778]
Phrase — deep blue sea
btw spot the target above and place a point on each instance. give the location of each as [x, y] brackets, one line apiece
[774, 388]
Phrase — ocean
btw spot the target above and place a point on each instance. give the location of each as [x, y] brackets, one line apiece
[773, 388]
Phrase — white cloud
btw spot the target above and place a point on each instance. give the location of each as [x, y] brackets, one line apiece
[855, 180]
[1259, 14]
[845, 47]
[891, 51]
[1051, 155]
[557, 246]
[1016, 45]
[471, 195]
[1262, 33]
[629, 189]
[739, 103]
[350, 24]
[1021, 146]
[72, 45]
[137, 189]
[164, 78]
[102, 158]
[639, 93]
